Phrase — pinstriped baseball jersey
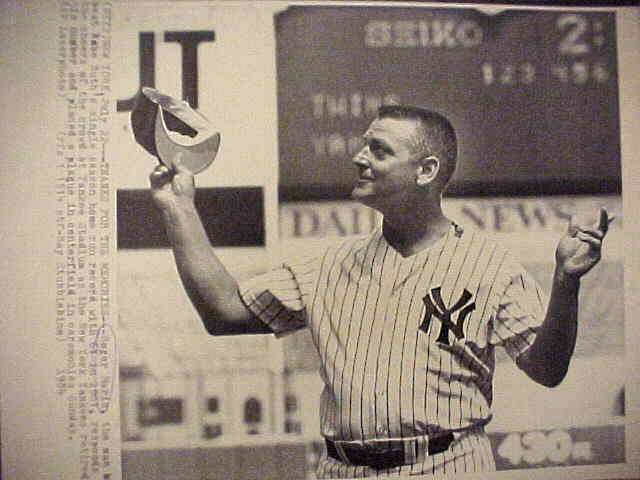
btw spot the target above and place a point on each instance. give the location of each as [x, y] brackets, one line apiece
[406, 343]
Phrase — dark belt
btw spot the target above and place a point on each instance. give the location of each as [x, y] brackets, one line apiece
[381, 458]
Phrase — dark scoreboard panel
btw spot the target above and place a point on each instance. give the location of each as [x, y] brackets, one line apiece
[532, 94]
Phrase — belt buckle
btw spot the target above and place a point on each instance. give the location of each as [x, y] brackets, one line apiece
[383, 457]
[439, 443]
[385, 454]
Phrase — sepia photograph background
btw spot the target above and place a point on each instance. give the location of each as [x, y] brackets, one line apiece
[133, 387]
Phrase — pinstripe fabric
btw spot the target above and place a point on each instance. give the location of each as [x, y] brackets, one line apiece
[406, 344]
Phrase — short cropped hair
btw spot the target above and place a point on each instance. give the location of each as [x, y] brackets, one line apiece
[436, 136]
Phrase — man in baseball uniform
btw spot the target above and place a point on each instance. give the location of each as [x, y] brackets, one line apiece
[405, 320]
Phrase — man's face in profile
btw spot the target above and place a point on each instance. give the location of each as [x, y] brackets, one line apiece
[387, 166]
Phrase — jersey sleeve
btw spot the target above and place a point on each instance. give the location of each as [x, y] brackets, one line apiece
[278, 298]
[520, 312]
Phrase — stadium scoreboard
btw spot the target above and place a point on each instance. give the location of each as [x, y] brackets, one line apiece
[532, 94]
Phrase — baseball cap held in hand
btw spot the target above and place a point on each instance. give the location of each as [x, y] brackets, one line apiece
[165, 126]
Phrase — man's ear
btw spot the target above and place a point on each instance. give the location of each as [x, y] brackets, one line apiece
[428, 170]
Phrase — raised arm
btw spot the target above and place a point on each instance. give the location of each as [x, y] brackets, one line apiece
[211, 288]
[547, 360]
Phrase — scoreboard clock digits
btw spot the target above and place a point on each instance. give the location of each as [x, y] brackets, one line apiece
[580, 38]
[575, 29]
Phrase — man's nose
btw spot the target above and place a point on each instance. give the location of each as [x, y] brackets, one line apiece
[361, 158]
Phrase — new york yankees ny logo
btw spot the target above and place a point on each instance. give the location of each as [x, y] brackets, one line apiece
[435, 307]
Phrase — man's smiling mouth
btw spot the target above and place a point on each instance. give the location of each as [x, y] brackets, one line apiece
[364, 176]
